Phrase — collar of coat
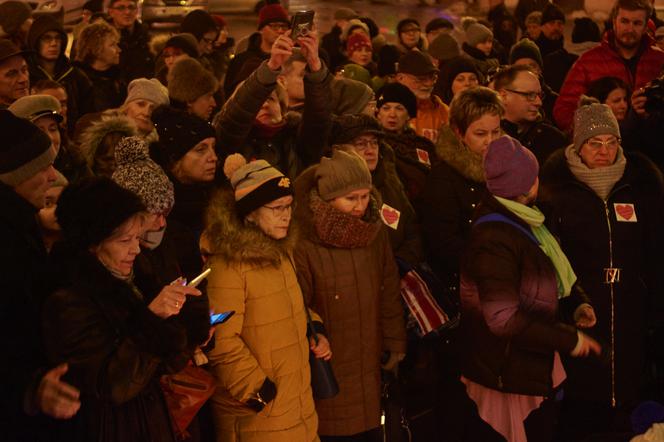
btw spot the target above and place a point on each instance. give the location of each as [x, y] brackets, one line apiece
[451, 150]
[609, 41]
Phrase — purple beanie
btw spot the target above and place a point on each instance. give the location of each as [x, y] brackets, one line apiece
[510, 169]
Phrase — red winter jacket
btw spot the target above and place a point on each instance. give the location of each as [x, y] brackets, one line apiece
[603, 61]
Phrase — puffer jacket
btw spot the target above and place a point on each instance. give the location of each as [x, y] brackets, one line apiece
[266, 338]
[291, 148]
[604, 61]
[432, 114]
[355, 290]
[594, 238]
[540, 137]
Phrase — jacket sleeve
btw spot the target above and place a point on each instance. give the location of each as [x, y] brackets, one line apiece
[391, 312]
[315, 126]
[305, 279]
[494, 265]
[237, 116]
[575, 84]
[232, 362]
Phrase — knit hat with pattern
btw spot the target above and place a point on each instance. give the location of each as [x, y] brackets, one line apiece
[357, 41]
[137, 172]
[593, 118]
[345, 172]
[510, 168]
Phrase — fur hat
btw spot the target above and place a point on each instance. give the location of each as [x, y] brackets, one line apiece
[184, 41]
[444, 47]
[198, 23]
[345, 172]
[136, 171]
[151, 90]
[585, 29]
[12, 15]
[593, 118]
[438, 23]
[478, 33]
[89, 211]
[24, 151]
[179, 131]
[510, 169]
[348, 127]
[357, 41]
[349, 96]
[274, 13]
[526, 48]
[397, 93]
[345, 14]
[189, 80]
[33, 107]
[255, 184]
[416, 63]
[552, 12]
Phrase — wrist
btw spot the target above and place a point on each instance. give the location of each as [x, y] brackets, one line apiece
[579, 344]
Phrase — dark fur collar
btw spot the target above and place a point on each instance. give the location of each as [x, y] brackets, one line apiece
[451, 150]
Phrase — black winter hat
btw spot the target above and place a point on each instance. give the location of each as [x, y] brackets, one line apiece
[552, 12]
[179, 131]
[453, 68]
[348, 127]
[91, 209]
[388, 57]
[526, 48]
[198, 23]
[438, 23]
[585, 29]
[42, 25]
[397, 93]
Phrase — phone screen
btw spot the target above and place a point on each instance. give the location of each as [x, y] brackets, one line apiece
[220, 318]
[302, 24]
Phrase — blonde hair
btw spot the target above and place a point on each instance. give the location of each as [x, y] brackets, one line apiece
[91, 39]
[471, 104]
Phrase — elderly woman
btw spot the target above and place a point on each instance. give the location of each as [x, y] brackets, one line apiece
[349, 277]
[261, 356]
[605, 205]
[116, 344]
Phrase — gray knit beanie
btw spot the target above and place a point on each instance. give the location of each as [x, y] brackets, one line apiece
[478, 33]
[136, 172]
[150, 90]
[593, 118]
[345, 172]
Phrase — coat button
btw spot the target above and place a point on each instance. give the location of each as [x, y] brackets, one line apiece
[472, 189]
[472, 205]
[470, 221]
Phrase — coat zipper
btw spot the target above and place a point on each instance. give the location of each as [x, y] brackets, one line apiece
[610, 282]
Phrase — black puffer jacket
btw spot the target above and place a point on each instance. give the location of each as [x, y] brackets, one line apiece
[540, 137]
[136, 60]
[594, 239]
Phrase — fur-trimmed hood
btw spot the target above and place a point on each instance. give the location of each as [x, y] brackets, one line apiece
[451, 150]
[233, 240]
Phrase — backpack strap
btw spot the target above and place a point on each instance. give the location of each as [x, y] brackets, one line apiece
[499, 217]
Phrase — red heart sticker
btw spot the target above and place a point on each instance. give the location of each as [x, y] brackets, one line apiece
[625, 212]
[423, 156]
[390, 216]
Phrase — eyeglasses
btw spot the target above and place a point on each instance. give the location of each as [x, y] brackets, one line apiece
[530, 96]
[365, 143]
[279, 26]
[130, 8]
[424, 79]
[598, 144]
[281, 210]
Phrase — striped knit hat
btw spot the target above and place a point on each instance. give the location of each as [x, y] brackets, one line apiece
[255, 183]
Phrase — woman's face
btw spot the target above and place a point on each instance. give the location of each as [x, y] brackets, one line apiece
[367, 146]
[274, 217]
[140, 112]
[49, 126]
[172, 56]
[270, 112]
[463, 81]
[46, 215]
[198, 165]
[361, 56]
[485, 47]
[118, 252]
[203, 106]
[109, 53]
[481, 133]
[393, 117]
[354, 203]
[617, 101]
[600, 151]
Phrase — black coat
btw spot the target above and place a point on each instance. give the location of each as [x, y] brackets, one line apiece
[109, 88]
[593, 239]
[547, 46]
[24, 270]
[556, 66]
[540, 137]
[116, 349]
[244, 64]
[136, 60]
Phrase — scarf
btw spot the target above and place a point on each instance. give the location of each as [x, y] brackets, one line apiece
[532, 216]
[600, 180]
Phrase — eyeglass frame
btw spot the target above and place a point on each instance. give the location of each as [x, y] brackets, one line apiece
[423, 79]
[599, 143]
[529, 96]
[131, 8]
[281, 210]
[374, 143]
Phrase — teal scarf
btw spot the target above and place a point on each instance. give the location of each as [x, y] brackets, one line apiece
[535, 219]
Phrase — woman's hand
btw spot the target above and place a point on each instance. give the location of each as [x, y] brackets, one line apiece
[56, 398]
[322, 350]
[585, 346]
[282, 49]
[309, 49]
[584, 316]
[170, 300]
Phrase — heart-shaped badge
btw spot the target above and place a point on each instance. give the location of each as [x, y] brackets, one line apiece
[625, 212]
[390, 216]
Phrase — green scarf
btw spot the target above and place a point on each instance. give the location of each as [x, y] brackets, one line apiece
[535, 219]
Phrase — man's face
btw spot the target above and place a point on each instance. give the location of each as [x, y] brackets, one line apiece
[522, 99]
[33, 190]
[533, 30]
[123, 13]
[14, 79]
[293, 81]
[554, 29]
[270, 33]
[410, 35]
[50, 45]
[420, 85]
[629, 27]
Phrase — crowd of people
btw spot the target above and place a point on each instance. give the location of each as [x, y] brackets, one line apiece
[460, 221]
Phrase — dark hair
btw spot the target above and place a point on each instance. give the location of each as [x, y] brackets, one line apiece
[44, 84]
[602, 87]
[632, 5]
[507, 76]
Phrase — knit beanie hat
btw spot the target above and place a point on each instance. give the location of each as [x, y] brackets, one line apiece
[438, 23]
[397, 93]
[348, 127]
[24, 151]
[12, 15]
[534, 18]
[478, 33]
[345, 14]
[151, 90]
[198, 23]
[254, 184]
[189, 80]
[274, 13]
[407, 23]
[416, 63]
[356, 72]
[345, 172]
[526, 48]
[388, 57]
[33, 107]
[510, 169]
[185, 42]
[136, 171]
[444, 47]
[179, 131]
[89, 210]
[552, 12]
[593, 118]
[585, 29]
[349, 96]
[357, 41]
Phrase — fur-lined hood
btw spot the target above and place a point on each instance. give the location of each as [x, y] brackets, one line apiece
[451, 150]
[234, 240]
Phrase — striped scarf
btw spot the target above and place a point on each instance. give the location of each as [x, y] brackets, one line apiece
[600, 180]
